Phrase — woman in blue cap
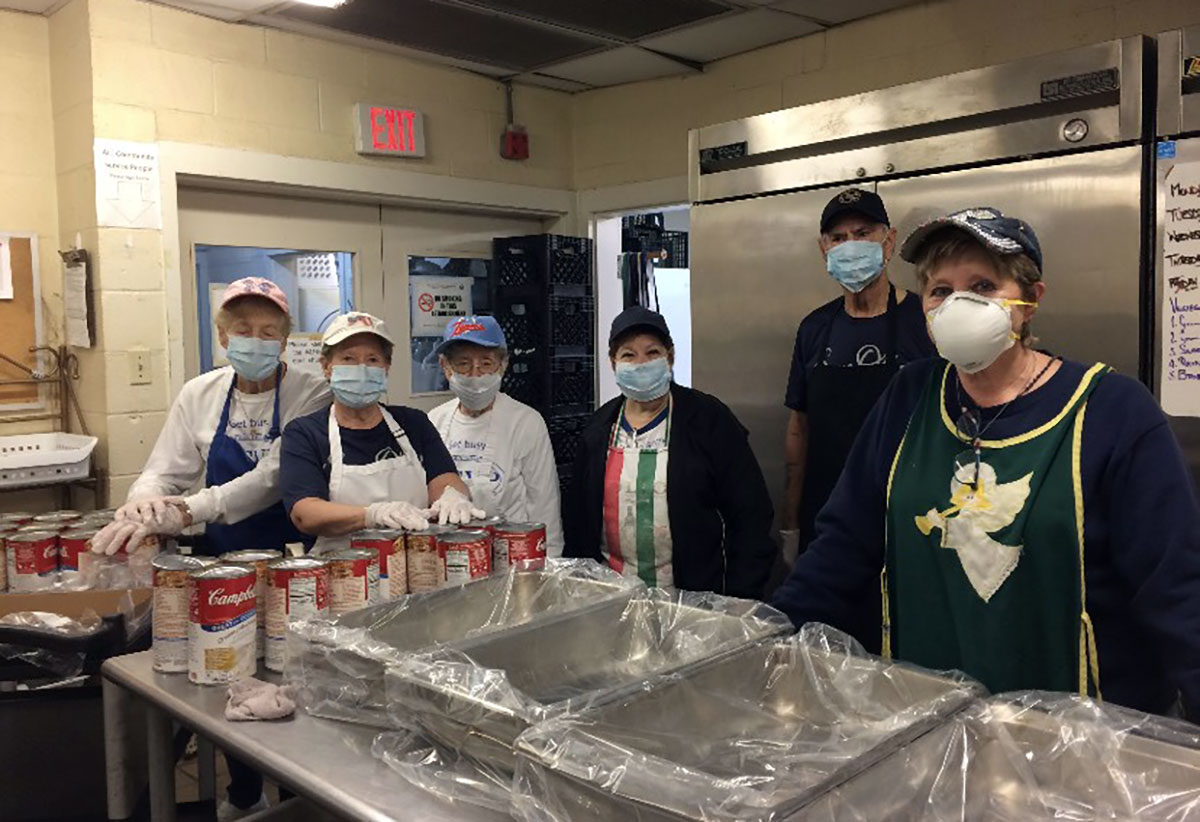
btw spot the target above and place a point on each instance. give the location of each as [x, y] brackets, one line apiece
[1030, 520]
[500, 446]
[665, 486]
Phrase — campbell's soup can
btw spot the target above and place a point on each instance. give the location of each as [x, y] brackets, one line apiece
[426, 571]
[258, 559]
[353, 579]
[73, 544]
[297, 588]
[388, 544]
[221, 624]
[56, 520]
[16, 518]
[169, 617]
[488, 524]
[467, 555]
[32, 560]
[4, 532]
[516, 542]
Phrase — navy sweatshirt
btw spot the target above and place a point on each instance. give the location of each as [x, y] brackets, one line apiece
[1141, 531]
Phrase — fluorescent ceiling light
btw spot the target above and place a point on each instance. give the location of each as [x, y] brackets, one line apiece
[325, 4]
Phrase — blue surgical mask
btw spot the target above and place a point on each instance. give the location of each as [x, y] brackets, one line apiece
[252, 358]
[855, 264]
[357, 386]
[644, 381]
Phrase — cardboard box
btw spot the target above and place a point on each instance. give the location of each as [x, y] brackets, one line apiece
[120, 627]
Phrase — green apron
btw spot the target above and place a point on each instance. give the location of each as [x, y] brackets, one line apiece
[990, 580]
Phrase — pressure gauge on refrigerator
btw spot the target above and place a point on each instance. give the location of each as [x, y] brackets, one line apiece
[1075, 130]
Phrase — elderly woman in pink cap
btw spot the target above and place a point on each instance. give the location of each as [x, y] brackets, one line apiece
[224, 426]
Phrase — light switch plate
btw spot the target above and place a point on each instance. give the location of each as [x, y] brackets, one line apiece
[139, 367]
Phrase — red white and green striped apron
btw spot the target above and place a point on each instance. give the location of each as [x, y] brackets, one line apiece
[637, 532]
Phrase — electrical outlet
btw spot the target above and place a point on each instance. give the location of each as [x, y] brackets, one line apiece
[139, 367]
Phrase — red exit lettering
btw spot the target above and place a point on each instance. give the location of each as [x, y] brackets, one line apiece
[392, 129]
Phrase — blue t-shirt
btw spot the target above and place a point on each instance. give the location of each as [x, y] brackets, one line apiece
[304, 452]
[854, 342]
[1141, 527]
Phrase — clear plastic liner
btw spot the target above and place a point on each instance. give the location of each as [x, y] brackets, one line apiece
[58, 662]
[477, 698]
[1028, 757]
[336, 665]
[443, 772]
[755, 735]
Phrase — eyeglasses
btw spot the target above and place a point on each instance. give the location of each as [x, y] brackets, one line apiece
[966, 464]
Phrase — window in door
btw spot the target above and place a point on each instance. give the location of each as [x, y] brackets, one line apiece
[441, 289]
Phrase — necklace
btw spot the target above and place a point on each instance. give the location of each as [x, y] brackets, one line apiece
[969, 424]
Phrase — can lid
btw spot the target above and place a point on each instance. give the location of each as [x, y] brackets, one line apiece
[31, 535]
[222, 572]
[250, 555]
[377, 533]
[521, 527]
[297, 564]
[177, 562]
[351, 553]
[57, 516]
[468, 535]
[16, 515]
[82, 532]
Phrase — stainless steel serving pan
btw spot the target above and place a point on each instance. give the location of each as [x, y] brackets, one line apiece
[337, 665]
[757, 734]
[479, 702]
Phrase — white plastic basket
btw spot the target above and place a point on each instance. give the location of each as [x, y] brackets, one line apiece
[44, 459]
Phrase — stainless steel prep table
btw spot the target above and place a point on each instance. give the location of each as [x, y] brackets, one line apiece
[328, 763]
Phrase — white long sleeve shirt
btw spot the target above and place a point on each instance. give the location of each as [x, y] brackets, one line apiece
[180, 454]
[515, 478]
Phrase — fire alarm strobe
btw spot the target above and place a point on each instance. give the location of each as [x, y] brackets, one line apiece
[514, 143]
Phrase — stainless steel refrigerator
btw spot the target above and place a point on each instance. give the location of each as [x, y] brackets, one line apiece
[1064, 141]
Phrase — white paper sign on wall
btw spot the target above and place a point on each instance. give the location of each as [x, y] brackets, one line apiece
[127, 189]
[1180, 344]
[304, 352]
[434, 301]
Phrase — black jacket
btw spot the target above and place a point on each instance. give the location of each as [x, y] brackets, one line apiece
[717, 502]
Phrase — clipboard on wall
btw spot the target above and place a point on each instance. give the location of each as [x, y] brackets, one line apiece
[21, 319]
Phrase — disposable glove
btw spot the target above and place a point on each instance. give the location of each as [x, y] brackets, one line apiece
[121, 533]
[454, 508]
[396, 515]
[789, 539]
[251, 698]
[140, 510]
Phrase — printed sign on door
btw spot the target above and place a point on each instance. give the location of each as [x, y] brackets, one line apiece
[434, 301]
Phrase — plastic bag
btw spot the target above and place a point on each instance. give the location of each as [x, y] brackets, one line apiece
[337, 665]
[751, 736]
[1032, 756]
[58, 662]
[441, 771]
[478, 698]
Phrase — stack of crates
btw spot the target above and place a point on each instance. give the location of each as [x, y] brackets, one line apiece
[544, 302]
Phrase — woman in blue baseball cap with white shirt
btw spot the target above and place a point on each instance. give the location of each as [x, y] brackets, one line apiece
[1031, 519]
[500, 446]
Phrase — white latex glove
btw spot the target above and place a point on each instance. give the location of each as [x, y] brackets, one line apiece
[396, 515]
[789, 539]
[141, 510]
[122, 532]
[251, 698]
[454, 508]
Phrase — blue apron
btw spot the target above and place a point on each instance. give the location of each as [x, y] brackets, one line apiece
[227, 460]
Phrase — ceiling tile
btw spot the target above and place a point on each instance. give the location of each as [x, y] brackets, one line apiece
[731, 35]
[537, 78]
[838, 11]
[457, 31]
[620, 65]
[33, 6]
[222, 9]
[622, 19]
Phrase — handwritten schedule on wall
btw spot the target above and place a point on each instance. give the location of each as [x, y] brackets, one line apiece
[1180, 344]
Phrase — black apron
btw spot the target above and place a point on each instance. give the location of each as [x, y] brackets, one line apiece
[839, 399]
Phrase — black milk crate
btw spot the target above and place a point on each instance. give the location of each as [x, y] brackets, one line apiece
[572, 385]
[675, 243]
[542, 259]
[537, 324]
[565, 434]
[572, 324]
[525, 382]
[522, 320]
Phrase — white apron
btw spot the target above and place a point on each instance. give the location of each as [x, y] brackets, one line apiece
[399, 479]
[484, 493]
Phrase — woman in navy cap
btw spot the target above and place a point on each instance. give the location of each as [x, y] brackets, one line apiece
[665, 486]
[1031, 519]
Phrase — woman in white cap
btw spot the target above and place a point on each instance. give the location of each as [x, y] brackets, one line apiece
[362, 464]
[224, 426]
[501, 446]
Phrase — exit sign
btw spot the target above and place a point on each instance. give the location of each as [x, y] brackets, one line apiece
[392, 130]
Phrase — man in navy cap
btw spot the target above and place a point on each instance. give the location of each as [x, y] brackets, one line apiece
[846, 353]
